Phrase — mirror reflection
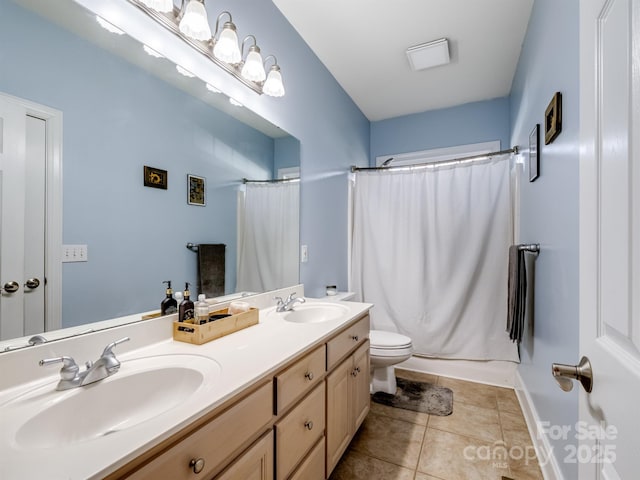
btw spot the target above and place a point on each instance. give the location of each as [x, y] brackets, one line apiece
[148, 166]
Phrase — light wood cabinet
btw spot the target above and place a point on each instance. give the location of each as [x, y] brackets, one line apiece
[294, 423]
[298, 431]
[205, 451]
[347, 403]
[312, 468]
[299, 378]
[254, 464]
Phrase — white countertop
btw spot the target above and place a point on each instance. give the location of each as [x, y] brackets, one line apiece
[243, 357]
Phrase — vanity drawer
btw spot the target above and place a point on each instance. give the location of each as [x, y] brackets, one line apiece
[299, 378]
[313, 466]
[347, 340]
[298, 431]
[215, 442]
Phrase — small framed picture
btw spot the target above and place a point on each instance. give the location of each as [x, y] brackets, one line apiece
[196, 190]
[534, 155]
[155, 177]
[553, 119]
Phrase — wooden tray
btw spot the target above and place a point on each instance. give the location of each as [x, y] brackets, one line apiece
[199, 334]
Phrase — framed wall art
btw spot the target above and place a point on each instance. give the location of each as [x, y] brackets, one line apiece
[196, 190]
[553, 119]
[534, 153]
[155, 177]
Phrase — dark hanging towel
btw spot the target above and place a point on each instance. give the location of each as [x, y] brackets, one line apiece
[517, 294]
[211, 269]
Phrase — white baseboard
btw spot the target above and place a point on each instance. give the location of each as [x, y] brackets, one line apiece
[493, 372]
[546, 458]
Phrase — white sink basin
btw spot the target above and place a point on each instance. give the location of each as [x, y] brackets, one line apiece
[314, 312]
[143, 389]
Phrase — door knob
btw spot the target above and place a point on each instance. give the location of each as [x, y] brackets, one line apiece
[11, 287]
[32, 283]
[564, 374]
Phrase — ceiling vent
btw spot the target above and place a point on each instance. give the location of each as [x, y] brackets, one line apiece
[430, 54]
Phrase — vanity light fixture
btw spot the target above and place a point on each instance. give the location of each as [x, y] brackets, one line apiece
[184, 71]
[273, 85]
[194, 22]
[164, 6]
[252, 68]
[190, 23]
[110, 27]
[225, 47]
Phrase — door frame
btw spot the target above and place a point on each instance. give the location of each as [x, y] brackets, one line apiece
[53, 210]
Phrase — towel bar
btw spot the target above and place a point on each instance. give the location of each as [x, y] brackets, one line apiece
[192, 247]
[530, 247]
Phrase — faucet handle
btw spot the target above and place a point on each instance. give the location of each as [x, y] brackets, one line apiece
[108, 350]
[279, 299]
[290, 297]
[69, 368]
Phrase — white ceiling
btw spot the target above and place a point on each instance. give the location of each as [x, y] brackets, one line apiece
[363, 44]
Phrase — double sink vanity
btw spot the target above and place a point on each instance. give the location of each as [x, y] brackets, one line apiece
[280, 399]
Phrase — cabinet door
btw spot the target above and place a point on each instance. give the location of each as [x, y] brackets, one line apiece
[255, 464]
[360, 385]
[339, 413]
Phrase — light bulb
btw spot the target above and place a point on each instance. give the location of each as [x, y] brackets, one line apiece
[253, 69]
[226, 47]
[164, 6]
[273, 86]
[194, 23]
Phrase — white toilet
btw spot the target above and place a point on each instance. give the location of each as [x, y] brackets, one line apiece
[387, 349]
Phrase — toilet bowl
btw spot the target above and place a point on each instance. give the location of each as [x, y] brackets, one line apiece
[386, 350]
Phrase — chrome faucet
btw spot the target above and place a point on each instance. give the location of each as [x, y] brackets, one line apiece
[71, 376]
[288, 304]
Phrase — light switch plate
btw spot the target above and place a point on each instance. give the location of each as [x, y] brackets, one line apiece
[74, 253]
[304, 254]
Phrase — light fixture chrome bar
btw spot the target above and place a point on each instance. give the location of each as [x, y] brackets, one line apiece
[170, 22]
[276, 180]
[513, 150]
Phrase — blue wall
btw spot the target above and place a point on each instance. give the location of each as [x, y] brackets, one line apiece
[549, 206]
[118, 118]
[286, 153]
[470, 123]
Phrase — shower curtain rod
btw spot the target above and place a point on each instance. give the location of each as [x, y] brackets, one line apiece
[441, 162]
[278, 180]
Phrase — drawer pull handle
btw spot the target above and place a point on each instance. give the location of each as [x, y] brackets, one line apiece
[197, 464]
[308, 424]
[309, 375]
[355, 338]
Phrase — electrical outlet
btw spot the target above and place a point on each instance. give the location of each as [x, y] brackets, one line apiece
[74, 253]
[304, 254]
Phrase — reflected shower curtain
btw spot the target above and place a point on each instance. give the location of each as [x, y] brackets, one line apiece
[429, 250]
[268, 236]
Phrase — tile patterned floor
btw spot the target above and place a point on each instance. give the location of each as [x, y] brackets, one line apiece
[485, 438]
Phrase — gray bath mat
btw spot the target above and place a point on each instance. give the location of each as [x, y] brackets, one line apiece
[419, 397]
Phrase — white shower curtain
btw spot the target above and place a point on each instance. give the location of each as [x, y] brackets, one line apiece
[268, 236]
[429, 249]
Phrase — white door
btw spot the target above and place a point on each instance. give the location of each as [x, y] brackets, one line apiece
[610, 238]
[22, 221]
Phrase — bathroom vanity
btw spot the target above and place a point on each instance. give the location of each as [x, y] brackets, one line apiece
[281, 399]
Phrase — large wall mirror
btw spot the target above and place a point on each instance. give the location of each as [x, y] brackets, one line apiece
[123, 109]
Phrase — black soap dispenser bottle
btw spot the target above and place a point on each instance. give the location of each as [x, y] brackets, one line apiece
[186, 309]
[169, 305]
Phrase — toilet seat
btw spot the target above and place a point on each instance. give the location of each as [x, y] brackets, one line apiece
[389, 344]
[381, 340]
